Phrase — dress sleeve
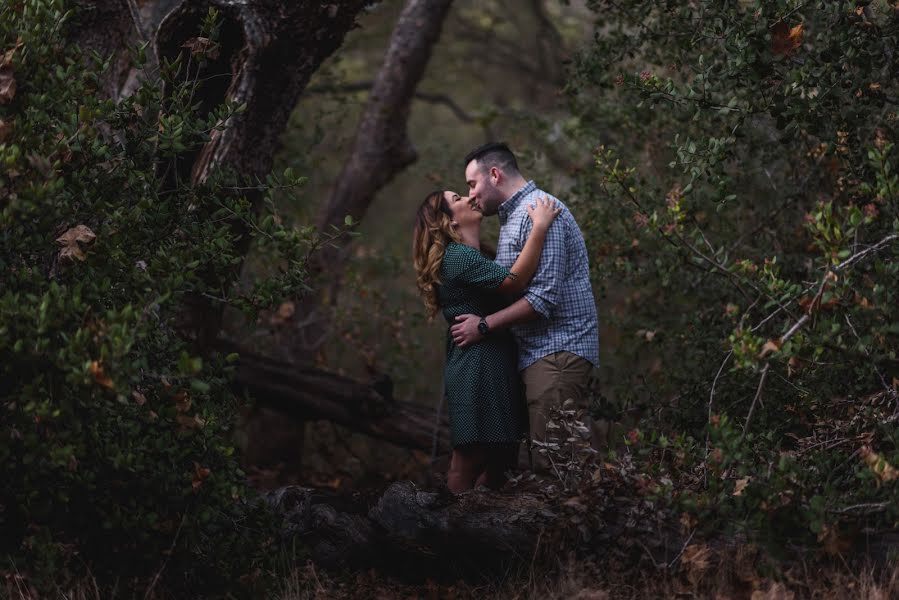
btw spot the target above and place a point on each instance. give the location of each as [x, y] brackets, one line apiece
[466, 266]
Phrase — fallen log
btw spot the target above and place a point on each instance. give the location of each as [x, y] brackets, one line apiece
[418, 531]
[307, 393]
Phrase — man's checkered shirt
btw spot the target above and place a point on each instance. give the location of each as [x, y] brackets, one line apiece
[560, 290]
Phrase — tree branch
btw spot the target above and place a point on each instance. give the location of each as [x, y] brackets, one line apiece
[366, 86]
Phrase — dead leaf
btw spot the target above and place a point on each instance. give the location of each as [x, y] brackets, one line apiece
[7, 77]
[200, 475]
[688, 523]
[695, 559]
[71, 239]
[740, 486]
[202, 45]
[810, 304]
[834, 544]
[139, 398]
[785, 40]
[770, 347]
[194, 422]
[883, 470]
[182, 402]
[284, 313]
[100, 376]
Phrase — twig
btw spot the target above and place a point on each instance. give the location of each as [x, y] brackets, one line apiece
[858, 256]
[649, 554]
[758, 392]
[684, 547]
[866, 508]
[830, 444]
[758, 395]
[794, 328]
[867, 352]
[138, 22]
[711, 401]
[715, 382]
[167, 557]
[310, 567]
[534, 556]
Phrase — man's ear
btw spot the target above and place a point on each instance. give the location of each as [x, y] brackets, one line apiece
[496, 175]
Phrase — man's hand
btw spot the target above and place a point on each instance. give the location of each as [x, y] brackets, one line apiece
[465, 331]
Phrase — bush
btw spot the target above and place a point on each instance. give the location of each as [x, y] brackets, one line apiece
[743, 209]
[113, 453]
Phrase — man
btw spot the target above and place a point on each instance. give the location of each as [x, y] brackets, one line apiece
[554, 321]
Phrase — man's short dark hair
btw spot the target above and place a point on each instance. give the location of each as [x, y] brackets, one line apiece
[494, 154]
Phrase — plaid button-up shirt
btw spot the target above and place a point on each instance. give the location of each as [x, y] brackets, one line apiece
[560, 290]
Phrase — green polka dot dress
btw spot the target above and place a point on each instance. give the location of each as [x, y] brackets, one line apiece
[482, 384]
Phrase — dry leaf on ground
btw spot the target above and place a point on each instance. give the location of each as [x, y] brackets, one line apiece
[696, 560]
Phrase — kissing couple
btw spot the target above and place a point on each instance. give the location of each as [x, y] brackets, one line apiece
[522, 332]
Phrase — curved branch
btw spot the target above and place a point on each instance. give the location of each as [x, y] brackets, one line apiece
[365, 86]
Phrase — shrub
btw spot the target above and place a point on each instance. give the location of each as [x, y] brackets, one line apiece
[743, 209]
[113, 451]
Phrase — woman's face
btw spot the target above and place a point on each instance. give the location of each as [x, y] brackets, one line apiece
[463, 211]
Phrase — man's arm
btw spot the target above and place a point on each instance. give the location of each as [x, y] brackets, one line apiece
[539, 300]
[465, 331]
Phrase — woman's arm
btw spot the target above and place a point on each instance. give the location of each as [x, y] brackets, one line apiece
[542, 214]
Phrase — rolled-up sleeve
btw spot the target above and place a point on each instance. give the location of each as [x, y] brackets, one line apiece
[543, 292]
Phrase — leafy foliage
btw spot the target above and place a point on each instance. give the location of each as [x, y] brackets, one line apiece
[759, 310]
[112, 444]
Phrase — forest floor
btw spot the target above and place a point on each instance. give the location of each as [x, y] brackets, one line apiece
[583, 580]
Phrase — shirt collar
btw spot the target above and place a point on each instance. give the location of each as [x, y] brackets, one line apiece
[506, 209]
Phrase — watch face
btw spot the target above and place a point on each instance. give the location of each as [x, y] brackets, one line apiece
[483, 328]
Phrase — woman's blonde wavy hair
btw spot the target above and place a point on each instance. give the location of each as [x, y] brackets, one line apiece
[432, 234]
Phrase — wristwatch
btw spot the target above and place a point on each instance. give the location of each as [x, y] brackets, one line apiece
[483, 327]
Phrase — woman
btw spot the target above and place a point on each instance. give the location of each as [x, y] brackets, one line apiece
[482, 385]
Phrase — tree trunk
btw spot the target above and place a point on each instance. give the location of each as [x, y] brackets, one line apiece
[268, 51]
[381, 149]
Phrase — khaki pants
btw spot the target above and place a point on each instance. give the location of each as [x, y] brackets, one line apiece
[549, 382]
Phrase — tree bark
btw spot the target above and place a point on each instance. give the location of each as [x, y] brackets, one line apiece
[381, 148]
